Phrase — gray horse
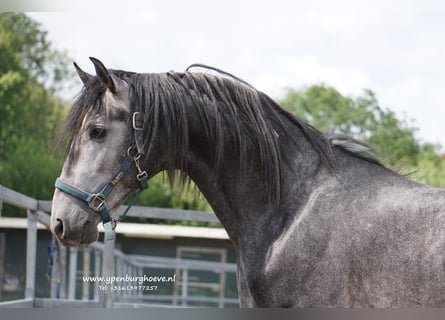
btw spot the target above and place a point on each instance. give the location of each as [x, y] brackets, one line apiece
[314, 219]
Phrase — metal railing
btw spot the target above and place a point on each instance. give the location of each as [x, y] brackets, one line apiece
[103, 260]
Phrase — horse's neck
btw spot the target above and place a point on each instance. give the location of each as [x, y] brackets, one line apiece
[242, 200]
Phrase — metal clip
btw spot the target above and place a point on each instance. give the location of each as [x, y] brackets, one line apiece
[137, 164]
[137, 122]
[141, 175]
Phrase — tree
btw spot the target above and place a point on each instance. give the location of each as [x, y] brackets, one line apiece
[31, 72]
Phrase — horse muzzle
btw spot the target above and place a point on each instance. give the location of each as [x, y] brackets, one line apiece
[73, 237]
[71, 224]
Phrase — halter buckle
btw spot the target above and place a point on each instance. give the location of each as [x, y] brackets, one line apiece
[97, 202]
[137, 122]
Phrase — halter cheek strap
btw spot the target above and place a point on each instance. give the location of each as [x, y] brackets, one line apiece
[96, 201]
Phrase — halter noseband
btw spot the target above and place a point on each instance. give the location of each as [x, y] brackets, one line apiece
[96, 201]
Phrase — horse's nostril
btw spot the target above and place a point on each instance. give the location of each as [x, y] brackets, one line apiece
[58, 229]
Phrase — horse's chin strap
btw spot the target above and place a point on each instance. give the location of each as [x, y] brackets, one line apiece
[96, 201]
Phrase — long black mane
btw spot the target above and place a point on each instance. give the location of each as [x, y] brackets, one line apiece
[253, 118]
[221, 103]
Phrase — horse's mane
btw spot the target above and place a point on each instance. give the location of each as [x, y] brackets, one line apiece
[220, 101]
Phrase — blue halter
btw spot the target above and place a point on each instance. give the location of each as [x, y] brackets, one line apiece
[96, 201]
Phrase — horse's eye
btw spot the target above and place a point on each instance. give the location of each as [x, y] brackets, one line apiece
[97, 133]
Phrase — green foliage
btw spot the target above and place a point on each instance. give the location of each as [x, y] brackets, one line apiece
[30, 74]
[31, 171]
[429, 166]
[161, 194]
[394, 139]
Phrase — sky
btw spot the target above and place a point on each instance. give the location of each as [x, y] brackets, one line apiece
[395, 48]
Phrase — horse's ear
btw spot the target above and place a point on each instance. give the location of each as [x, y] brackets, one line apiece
[104, 75]
[84, 76]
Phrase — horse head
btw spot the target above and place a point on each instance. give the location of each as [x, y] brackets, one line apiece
[99, 133]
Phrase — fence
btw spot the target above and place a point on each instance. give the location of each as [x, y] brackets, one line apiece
[103, 260]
